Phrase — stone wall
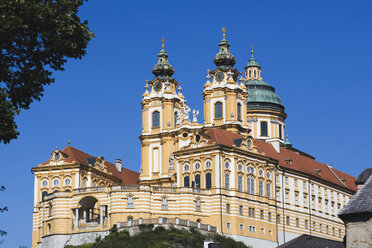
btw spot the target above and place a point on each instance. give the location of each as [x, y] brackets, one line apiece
[359, 232]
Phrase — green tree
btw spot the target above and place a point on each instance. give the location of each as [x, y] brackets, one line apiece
[36, 38]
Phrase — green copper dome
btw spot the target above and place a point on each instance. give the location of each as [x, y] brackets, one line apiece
[252, 63]
[262, 96]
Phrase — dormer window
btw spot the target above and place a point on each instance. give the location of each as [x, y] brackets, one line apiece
[288, 161]
[57, 156]
[317, 172]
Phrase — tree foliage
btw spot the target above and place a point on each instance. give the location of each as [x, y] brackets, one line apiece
[159, 238]
[36, 38]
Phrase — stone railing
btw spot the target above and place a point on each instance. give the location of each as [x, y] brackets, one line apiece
[167, 221]
[89, 189]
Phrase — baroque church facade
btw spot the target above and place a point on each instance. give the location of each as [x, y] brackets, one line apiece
[234, 173]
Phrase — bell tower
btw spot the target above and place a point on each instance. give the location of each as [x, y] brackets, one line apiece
[161, 111]
[224, 97]
[265, 110]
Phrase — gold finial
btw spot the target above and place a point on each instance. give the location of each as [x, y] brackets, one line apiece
[146, 81]
[252, 51]
[162, 43]
[208, 71]
[68, 142]
[223, 32]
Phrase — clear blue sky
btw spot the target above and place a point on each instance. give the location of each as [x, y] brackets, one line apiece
[316, 53]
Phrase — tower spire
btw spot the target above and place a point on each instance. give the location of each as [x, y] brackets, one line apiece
[163, 68]
[224, 59]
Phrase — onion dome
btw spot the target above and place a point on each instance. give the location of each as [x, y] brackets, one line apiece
[224, 59]
[163, 68]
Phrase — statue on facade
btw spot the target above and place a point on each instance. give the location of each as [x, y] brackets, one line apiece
[186, 111]
[195, 113]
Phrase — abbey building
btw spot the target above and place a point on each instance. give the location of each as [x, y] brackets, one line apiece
[229, 171]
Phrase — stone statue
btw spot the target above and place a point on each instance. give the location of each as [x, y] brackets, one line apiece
[186, 111]
[195, 113]
[171, 162]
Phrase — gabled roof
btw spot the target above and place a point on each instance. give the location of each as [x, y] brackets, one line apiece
[75, 155]
[306, 165]
[299, 162]
[307, 241]
[361, 201]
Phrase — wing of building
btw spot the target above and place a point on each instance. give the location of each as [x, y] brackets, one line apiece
[233, 173]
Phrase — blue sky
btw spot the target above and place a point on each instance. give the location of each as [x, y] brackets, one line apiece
[316, 53]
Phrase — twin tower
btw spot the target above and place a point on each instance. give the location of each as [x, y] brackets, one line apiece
[236, 102]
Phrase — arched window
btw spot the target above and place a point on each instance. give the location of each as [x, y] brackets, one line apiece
[94, 183]
[50, 210]
[164, 204]
[227, 181]
[130, 221]
[197, 181]
[198, 205]
[175, 118]
[43, 195]
[85, 182]
[252, 186]
[268, 190]
[255, 73]
[218, 110]
[280, 132]
[239, 108]
[249, 185]
[260, 188]
[49, 228]
[240, 183]
[263, 128]
[208, 181]
[186, 181]
[250, 73]
[130, 202]
[155, 119]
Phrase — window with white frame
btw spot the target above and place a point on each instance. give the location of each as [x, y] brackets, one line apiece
[260, 188]
[227, 181]
[268, 190]
[130, 201]
[240, 183]
[164, 204]
[241, 227]
[208, 164]
[198, 205]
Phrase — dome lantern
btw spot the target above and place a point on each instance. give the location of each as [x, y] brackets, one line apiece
[163, 68]
[224, 59]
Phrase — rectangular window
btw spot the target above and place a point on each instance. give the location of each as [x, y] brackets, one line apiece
[305, 224]
[241, 227]
[269, 217]
[278, 218]
[320, 227]
[218, 110]
[280, 132]
[261, 214]
[227, 208]
[297, 222]
[314, 225]
[305, 200]
[287, 221]
[264, 128]
[228, 225]
[155, 119]
[286, 197]
[251, 212]
[252, 228]
[296, 183]
[239, 108]
[327, 229]
[208, 181]
[241, 210]
[296, 199]
[155, 160]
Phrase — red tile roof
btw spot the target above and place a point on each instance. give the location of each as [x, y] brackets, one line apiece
[300, 162]
[75, 155]
[222, 137]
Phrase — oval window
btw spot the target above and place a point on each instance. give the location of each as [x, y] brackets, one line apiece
[227, 164]
[197, 138]
[186, 168]
[208, 164]
[197, 166]
[185, 135]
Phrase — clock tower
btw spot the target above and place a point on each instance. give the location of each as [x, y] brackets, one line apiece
[162, 109]
[224, 98]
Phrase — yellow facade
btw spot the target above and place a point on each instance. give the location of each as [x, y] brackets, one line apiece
[188, 173]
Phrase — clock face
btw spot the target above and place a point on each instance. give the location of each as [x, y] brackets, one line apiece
[158, 86]
[220, 76]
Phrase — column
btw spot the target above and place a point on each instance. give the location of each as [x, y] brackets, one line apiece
[85, 215]
[76, 217]
[101, 215]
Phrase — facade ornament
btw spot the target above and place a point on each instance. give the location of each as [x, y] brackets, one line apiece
[147, 86]
[178, 118]
[167, 84]
[186, 111]
[208, 77]
[171, 162]
[179, 88]
[195, 113]
[230, 74]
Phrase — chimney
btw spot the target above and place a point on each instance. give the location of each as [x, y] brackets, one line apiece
[275, 143]
[118, 164]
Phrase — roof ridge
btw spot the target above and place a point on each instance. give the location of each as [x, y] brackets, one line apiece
[334, 173]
